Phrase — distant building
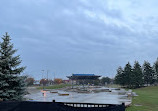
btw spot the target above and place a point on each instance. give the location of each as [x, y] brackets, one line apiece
[83, 76]
[66, 81]
[36, 82]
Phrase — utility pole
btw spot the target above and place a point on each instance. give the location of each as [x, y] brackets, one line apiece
[47, 74]
[54, 78]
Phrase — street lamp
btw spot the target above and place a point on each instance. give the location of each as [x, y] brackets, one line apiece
[42, 78]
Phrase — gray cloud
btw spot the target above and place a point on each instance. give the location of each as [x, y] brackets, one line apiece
[84, 36]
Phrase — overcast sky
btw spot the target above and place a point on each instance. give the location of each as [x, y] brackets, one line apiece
[80, 36]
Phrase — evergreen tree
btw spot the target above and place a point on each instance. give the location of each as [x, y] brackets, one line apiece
[119, 78]
[128, 77]
[148, 73]
[155, 68]
[11, 83]
[105, 80]
[137, 75]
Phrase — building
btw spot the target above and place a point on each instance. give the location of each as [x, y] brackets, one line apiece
[83, 78]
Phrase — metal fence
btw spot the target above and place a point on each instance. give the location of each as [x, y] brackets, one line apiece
[57, 106]
[75, 104]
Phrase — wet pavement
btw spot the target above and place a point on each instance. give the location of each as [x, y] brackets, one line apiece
[102, 97]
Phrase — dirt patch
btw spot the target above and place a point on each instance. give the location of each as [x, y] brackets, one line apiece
[138, 105]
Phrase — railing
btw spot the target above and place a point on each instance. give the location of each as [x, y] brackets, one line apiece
[74, 104]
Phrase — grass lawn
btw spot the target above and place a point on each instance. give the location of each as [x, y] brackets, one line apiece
[148, 98]
[58, 86]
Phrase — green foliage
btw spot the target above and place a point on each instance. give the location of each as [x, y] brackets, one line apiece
[119, 79]
[148, 73]
[128, 78]
[155, 68]
[105, 80]
[147, 99]
[11, 83]
[95, 82]
[125, 77]
[137, 79]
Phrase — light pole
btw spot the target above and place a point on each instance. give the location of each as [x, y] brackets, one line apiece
[47, 78]
[42, 78]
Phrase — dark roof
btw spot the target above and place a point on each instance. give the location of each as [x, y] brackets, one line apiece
[83, 75]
